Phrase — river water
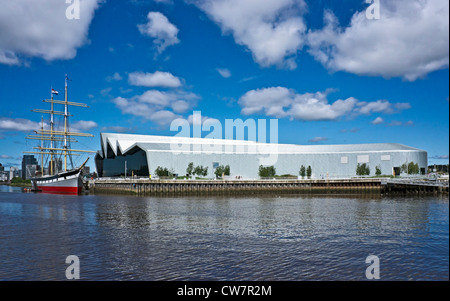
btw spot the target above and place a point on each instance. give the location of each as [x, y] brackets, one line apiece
[266, 238]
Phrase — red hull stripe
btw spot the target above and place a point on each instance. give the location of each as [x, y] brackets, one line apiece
[60, 189]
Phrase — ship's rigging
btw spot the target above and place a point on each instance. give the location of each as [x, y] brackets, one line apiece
[56, 137]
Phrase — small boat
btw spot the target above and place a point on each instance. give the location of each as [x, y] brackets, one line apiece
[55, 145]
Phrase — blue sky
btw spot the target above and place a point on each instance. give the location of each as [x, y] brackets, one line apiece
[324, 69]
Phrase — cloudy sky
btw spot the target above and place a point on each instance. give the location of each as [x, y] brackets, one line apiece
[331, 72]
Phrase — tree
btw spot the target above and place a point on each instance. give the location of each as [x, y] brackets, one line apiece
[201, 171]
[190, 169]
[309, 172]
[163, 172]
[227, 170]
[366, 169]
[378, 170]
[266, 172]
[404, 168]
[413, 168]
[302, 171]
[362, 169]
[410, 168]
[220, 170]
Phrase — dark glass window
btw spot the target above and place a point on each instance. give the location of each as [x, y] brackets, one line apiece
[114, 166]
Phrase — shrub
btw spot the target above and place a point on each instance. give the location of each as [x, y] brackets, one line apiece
[201, 171]
[378, 170]
[190, 169]
[266, 172]
[410, 168]
[18, 180]
[362, 169]
[163, 172]
[309, 172]
[413, 168]
[302, 171]
[222, 170]
[227, 170]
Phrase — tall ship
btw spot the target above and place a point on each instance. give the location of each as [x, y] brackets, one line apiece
[57, 173]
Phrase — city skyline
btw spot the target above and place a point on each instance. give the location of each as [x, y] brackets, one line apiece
[326, 71]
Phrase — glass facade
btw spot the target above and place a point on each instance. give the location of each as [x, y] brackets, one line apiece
[114, 166]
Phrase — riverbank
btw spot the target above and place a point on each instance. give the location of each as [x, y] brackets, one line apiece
[17, 184]
[312, 187]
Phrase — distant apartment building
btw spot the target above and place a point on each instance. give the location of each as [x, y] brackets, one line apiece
[30, 171]
[27, 160]
[13, 173]
[3, 174]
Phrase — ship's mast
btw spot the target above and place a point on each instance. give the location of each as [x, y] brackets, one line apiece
[55, 136]
[51, 133]
[42, 145]
[65, 124]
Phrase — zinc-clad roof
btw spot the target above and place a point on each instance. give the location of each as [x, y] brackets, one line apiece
[125, 142]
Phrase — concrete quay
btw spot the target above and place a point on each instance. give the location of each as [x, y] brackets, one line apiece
[147, 187]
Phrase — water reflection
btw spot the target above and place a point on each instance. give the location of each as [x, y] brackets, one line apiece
[218, 238]
[7, 188]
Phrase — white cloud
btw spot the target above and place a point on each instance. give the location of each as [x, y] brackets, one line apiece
[378, 120]
[399, 123]
[180, 106]
[410, 40]
[352, 130]
[180, 101]
[163, 117]
[157, 106]
[381, 106]
[441, 157]
[157, 79]
[272, 101]
[25, 125]
[40, 29]
[316, 107]
[115, 77]
[225, 73]
[83, 125]
[164, 1]
[281, 102]
[105, 91]
[132, 107]
[273, 30]
[211, 121]
[318, 139]
[18, 124]
[116, 129]
[8, 58]
[159, 28]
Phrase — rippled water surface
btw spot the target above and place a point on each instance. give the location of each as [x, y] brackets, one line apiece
[218, 238]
